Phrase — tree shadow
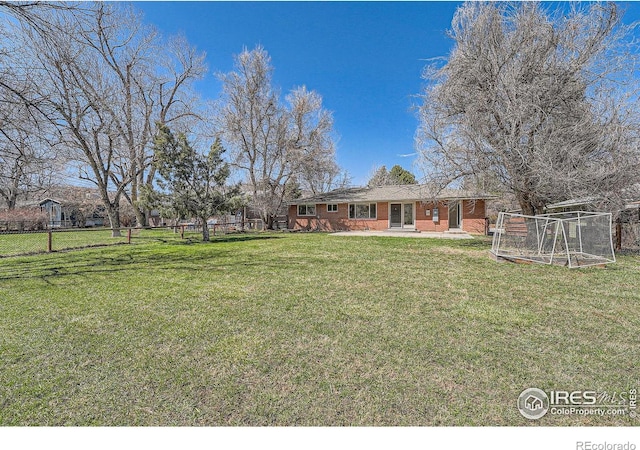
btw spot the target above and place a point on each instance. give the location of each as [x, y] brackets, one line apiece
[474, 244]
[122, 258]
[224, 238]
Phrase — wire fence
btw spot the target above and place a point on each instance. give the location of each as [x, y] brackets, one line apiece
[16, 241]
[629, 236]
[227, 226]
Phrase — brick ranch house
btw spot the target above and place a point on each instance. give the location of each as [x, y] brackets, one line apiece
[404, 207]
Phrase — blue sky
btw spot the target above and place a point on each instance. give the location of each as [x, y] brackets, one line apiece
[364, 58]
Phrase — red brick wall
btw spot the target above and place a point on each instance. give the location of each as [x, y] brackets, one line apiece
[472, 218]
[337, 221]
[473, 214]
[425, 222]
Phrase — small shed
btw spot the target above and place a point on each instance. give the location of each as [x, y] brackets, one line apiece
[53, 209]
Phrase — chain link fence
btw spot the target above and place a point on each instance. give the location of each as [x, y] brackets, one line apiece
[629, 239]
[17, 240]
[14, 243]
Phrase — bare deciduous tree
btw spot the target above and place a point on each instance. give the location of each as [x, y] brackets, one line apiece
[270, 142]
[170, 101]
[379, 176]
[541, 102]
[80, 92]
[150, 81]
[104, 79]
[322, 176]
[28, 160]
[123, 47]
[311, 143]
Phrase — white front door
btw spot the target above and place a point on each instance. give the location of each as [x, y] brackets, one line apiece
[408, 215]
[402, 215]
[455, 219]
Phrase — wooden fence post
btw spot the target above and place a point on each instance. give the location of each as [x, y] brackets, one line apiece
[50, 241]
[182, 232]
[129, 236]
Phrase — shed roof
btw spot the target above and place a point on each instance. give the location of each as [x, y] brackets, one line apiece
[49, 200]
[587, 203]
[573, 202]
[404, 192]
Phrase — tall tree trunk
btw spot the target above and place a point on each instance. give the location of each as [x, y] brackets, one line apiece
[205, 230]
[529, 203]
[12, 194]
[113, 212]
[11, 200]
[268, 224]
[141, 215]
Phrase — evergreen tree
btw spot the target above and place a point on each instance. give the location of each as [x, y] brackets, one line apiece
[193, 184]
[399, 175]
[379, 178]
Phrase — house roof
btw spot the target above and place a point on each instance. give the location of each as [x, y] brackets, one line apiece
[27, 203]
[390, 193]
[47, 200]
[585, 201]
[633, 205]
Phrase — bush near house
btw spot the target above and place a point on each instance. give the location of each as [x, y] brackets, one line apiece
[23, 219]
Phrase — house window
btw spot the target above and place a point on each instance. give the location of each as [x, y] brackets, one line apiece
[362, 211]
[306, 210]
[332, 208]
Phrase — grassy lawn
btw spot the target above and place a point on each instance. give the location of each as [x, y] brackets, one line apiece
[306, 329]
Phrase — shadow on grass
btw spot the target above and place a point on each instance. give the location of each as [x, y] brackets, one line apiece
[475, 244]
[214, 239]
[201, 256]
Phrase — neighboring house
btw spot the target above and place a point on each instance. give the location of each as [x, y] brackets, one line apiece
[403, 207]
[156, 219]
[65, 206]
[66, 215]
[56, 214]
[95, 220]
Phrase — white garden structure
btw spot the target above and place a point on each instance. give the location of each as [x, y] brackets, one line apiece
[573, 239]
